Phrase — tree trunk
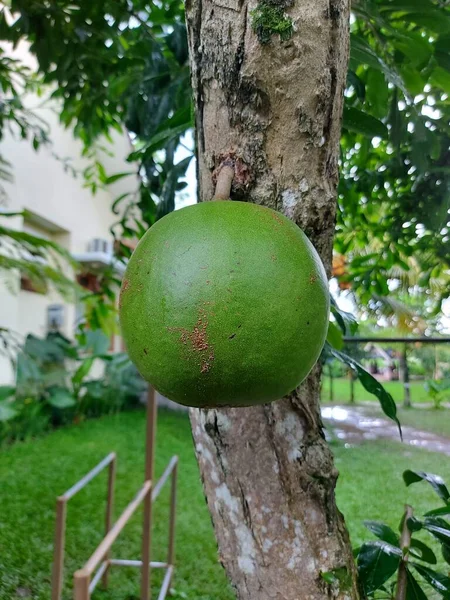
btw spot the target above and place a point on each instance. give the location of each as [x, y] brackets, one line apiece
[267, 471]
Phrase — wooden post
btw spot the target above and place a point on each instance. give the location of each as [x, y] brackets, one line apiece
[173, 508]
[109, 510]
[405, 378]
[58, 560]
[81, 585]
[149, 473]
[405, 541]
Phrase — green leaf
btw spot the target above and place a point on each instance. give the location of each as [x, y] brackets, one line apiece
[360, 122]
[345, 320]
[96, 341]
[438, 528]
[377, 92]
[395, 120]
[334, 336]
[421, 551]
[357, 83]
[413, 80]
[27, 370]
[158, 141]
[377, 562]
[61, 398]
[7, 412]
[413, 589]
[422, 6]
[441, 78]
[382, 531]
[113, 178]
[370, 384]
[361, 53]
[445, 549]
[436, 482]
[6, 391]
[432, 21]
[415, 47]
[437, 512]
[82, 371]
[439, 581]
[414, 524]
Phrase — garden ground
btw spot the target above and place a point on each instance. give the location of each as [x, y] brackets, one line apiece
[33, 473]
[341, 391]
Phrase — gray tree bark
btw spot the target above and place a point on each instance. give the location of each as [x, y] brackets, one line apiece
[267, 471]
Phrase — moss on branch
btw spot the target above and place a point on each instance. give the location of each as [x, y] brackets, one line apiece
[269, 18]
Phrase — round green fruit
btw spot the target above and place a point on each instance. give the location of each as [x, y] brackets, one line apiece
[224, 304]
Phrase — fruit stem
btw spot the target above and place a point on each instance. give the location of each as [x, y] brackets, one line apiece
[224, 181]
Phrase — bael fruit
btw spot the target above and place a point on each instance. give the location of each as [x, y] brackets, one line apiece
[224, 303]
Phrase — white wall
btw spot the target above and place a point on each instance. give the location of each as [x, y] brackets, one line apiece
[70, 215]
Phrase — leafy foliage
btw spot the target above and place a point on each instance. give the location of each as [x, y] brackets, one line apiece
[438, 390]
[16, 80]
[54, 384]
[44, 262]
[394, 189]
[379, 561]
[129, 60]
[347, 324]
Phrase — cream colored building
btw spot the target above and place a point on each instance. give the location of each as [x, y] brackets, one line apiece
[60, 208]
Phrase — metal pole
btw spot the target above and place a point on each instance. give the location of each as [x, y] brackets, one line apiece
[149, 473]
[435, 374]
[81, 585]
[109, 511]
[58, 560]
[173, 508]
[152, 410]
[352, 387]
[405, 378]
[330, 372]
[398, 340]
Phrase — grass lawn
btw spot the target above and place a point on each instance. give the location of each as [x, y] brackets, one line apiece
[33, 473]
[420, 416]
[437, 421]
[341, 390]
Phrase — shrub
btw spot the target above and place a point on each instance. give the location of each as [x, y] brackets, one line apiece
[54, 387]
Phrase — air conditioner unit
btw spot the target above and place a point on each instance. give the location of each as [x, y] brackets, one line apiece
[100, 245]
[55, 317]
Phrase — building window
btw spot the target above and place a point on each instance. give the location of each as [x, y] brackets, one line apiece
[29, 285]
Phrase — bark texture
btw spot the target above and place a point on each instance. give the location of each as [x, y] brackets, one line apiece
[267, 471]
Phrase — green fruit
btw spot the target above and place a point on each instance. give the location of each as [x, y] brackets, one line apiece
[224, 303]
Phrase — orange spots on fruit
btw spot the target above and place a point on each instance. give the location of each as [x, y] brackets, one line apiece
[196, 342]
[125, 287]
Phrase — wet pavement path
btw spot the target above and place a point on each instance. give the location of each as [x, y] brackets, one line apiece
[357, 424]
